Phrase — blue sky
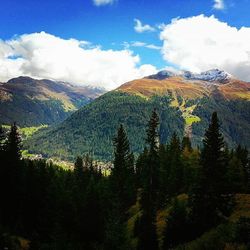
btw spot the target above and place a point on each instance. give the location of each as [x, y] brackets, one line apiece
[111, 26]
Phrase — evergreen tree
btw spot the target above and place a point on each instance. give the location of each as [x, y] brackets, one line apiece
[242, 155]
[13, 145]
[122, 192]
[147, 222]
[78, 167]
[152, 133]
[176, 230]
[12, 176]
[235, 176]
[123, 174]
[175, 181]
[208, 200]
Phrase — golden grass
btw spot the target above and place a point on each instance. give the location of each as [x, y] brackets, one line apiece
[242, 208]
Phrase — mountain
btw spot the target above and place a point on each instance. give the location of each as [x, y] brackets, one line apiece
[31, 102]
[183, 101]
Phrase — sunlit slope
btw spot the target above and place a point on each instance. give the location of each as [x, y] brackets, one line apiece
[184, 106]
[31, 102]
[93, 127]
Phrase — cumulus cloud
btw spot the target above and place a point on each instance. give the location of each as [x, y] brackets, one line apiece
[43, 55]
[103, 2]
[200, 43]
[219, 4]
[140, 28]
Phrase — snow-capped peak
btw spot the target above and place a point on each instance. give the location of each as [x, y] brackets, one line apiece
[213, 75]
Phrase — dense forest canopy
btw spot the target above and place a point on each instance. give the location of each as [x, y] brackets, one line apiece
[170, 196]
[92, 128]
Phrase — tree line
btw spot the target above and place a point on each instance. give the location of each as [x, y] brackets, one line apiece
[46, 207]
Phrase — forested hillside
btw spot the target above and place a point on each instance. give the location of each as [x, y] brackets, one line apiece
[184, 103]
[172, 196]
[92, 128]
[32, 102]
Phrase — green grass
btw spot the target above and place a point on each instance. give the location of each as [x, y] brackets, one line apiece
[191, 119]
[29, 131]
[26, 154]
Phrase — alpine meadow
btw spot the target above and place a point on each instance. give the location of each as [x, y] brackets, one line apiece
[125, 125]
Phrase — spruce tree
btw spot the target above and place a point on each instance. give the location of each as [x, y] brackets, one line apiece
[13, 145]
[175, 181]
[147, 222]
[208, 200]
[122, 192]
[176, 230]
[78, 168]
[123, 174]
[12, 176]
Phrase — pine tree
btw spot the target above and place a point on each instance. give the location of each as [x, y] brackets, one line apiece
[208, 200]
[13, 145]
[235, 176]
[176, 178]
[176, 230]
[151, 168]
[213, 158]
[12, 176]
[243, 155]
[122, 192]
[78, 167]
[152, 133]
[147, 222]
[123, 174]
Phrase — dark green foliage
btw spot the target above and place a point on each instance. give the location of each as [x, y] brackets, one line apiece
[123, 174]
[150, 186]
[32, 102]
[122, 192]
[31, 112]
[242, 155]
[235, 117]
[235, 176]
[209, 198]
[92, 128]
[76, 209]
[177, 225]
[13, 145]
[242, 231]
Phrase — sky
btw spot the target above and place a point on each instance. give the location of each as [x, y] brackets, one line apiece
[108, 42]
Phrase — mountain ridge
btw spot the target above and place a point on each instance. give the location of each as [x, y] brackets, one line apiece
[30, 101]
[184, 107]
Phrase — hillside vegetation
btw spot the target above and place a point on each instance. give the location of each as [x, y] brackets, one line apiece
[172, 196]
[92, 128]
[31, 102]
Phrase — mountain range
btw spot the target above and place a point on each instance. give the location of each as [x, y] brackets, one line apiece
[184, 102]
[32, 102]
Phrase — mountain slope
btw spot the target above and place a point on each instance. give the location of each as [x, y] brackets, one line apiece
[184, 103]
[32, 102]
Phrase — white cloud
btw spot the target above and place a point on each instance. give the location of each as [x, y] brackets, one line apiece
[43, 55]
[140, 28]
[219, 4]
[143, 44]
[200, 43]
[103, 2]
